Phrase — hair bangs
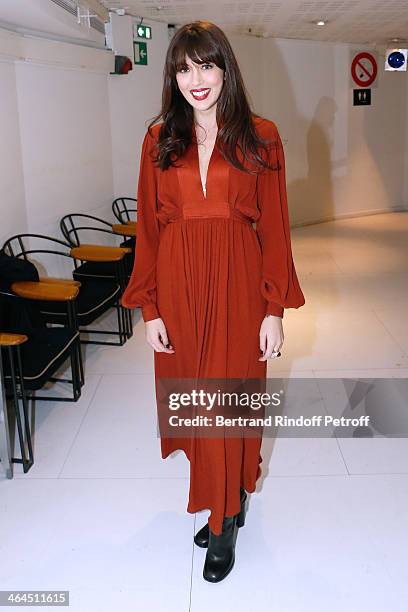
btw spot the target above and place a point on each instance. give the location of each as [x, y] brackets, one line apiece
[199, 48]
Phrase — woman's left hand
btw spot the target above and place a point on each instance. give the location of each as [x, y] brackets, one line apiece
[270, 336]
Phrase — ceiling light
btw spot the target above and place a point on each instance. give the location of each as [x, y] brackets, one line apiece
[320, 23]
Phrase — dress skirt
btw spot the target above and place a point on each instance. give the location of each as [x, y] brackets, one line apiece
[210, 268]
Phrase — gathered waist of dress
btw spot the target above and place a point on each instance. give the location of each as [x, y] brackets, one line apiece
[235, 215]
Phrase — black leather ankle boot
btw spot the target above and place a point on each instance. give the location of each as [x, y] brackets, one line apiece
[202, 536]
[220, 557]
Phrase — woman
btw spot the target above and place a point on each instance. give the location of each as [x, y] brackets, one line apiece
[212, 289]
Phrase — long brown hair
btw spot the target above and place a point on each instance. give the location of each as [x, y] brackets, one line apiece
[205, 42]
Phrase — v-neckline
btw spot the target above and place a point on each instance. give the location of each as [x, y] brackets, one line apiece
[197, 164]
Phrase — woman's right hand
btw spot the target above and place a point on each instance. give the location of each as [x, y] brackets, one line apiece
[156, 336]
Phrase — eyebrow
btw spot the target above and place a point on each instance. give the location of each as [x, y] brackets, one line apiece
[201, 64]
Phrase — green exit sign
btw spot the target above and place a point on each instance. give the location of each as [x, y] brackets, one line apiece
[140, 53]
[142, 31]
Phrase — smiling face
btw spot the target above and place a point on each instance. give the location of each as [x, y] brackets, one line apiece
[192, 77]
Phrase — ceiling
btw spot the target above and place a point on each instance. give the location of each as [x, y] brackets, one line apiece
[47, 17]
[355, 21]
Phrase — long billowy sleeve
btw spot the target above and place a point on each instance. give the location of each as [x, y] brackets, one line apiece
[141, 289]
[279, 285]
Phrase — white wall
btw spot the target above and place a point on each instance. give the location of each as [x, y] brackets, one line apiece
[66, 143]
[341, 160]
[12, 201]
[56, 154]
[404, 129]
[134, 100]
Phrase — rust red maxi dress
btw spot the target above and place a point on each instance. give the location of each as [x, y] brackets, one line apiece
[202, 267]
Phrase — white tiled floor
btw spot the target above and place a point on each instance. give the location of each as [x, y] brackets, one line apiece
[102, 515]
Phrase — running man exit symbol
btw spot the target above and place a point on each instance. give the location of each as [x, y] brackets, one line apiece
[361, 97]
[140, 53]
[142, 31]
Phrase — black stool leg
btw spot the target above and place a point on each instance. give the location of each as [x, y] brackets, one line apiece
[27, 463]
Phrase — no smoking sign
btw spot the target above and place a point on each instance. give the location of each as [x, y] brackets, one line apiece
[364, 69]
